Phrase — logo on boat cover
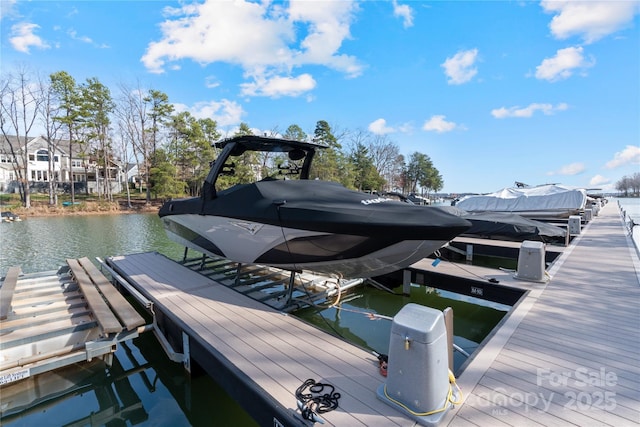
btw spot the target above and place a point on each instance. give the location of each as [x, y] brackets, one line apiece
[376, 200]
[251, 227]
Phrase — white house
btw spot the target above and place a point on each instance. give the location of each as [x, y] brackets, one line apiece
[82, 170]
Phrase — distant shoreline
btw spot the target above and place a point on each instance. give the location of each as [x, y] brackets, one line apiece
[119, 207]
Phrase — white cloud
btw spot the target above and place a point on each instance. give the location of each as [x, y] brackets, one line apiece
[224, 112]
[630, 155]
[460, 67]
[526, 112]
[599, 180]
[592, 20]
[266, 39]
[23, 37]
[379, 127]
[85, 39]
[563, 64]
[405, 12]
[211, 82]
[277, 86]
[8, 8]
[570, 169]
[74, 35]
[438, 124]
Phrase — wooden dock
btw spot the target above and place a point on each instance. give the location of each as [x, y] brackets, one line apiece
[568, 354]
[54, 319]
[258, 354]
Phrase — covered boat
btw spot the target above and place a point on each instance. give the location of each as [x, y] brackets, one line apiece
[302, 224]
[508, 226]
[550, 201]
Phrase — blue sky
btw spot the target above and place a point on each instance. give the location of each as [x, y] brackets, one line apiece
[493, 91]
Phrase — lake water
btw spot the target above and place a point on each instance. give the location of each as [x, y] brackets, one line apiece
[143, 387]
[632, 209]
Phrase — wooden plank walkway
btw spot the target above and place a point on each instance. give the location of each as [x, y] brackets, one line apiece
[568, 354]
[57, 318]
[276, 351]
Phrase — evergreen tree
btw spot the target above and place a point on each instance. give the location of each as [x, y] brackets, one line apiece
[65, 88]
[97, 108]
[366, 176]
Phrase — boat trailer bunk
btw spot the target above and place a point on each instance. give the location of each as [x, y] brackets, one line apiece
[54, 319]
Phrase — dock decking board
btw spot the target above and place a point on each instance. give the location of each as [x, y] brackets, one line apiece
[586, 319]
[124, 311]
[276, 351]
[103, 314]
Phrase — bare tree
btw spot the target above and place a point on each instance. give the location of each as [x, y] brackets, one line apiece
[50, 110]
[133, 121]
[19, 109]
[384, 154]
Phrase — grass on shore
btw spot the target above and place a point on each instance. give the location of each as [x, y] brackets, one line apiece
[85, 205]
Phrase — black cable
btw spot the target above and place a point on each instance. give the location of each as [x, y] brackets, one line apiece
[316, 399]
[439, 255]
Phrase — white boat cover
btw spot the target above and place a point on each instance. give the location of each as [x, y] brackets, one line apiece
[545, 200]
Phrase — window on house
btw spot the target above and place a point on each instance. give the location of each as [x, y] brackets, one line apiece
[42, 156]
[32, 157]
[33, 175]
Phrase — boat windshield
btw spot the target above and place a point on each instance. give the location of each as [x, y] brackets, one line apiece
[247, 159]
[254, 166]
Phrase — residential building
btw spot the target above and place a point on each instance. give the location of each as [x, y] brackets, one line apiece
[81, 168]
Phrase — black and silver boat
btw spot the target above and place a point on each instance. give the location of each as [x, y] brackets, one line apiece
[291, 222]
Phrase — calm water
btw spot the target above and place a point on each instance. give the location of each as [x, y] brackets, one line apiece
[632, 208]
[44, 243]
[143, 387]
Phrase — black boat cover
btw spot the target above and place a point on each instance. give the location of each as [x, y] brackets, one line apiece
[506, 226]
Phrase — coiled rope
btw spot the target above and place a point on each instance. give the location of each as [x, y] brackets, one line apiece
[315, 399]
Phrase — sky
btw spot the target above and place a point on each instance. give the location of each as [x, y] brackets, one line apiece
[492, 91]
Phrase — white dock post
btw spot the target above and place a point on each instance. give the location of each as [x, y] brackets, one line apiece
[448, 324]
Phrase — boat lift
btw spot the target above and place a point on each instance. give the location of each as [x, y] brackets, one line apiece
[54, 319]
[281, 289]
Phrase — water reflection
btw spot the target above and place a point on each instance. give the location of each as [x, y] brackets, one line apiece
[142, 387]
[473, 318]
[44, 243]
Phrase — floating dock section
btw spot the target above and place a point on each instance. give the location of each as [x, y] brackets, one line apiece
[54, 319]
[258, 354]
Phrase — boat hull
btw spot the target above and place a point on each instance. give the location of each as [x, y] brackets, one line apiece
[310, 225]
[331, 254]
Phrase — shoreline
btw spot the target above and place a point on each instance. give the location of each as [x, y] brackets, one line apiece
[119, 207]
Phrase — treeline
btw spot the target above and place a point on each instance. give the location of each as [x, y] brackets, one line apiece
[173, 150]
[629, 185]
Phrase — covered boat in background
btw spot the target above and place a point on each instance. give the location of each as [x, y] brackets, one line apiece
[551, 201]
[508, 226]
[301, 224]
